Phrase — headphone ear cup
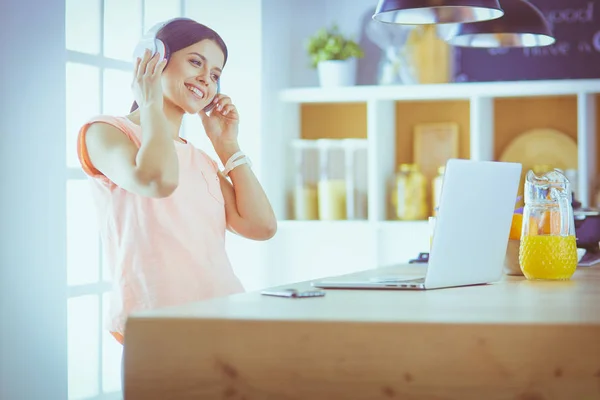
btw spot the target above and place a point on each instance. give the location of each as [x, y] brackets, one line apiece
[154, 45]
[142, 46]
[161, 49]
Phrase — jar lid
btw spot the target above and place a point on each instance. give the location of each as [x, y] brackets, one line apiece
[407, 167]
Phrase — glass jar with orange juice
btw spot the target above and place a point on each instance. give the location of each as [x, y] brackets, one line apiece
[548, 248]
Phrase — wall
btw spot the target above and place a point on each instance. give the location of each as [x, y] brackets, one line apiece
[239, 22]
[276, 73]
[33, 338]
[350, 16]
[310, 12]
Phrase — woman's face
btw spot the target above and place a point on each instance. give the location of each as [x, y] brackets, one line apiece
[190, 79]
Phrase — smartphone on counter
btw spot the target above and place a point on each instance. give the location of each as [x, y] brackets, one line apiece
[293, 293]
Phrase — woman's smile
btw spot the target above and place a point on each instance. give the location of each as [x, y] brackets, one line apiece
[195, 91]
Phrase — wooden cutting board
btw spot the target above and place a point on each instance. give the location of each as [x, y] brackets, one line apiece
[543, 146]
[429, 55]
[433, 145]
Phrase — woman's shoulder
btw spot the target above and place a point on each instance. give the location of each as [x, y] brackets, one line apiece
[119, 121]
[105, 126]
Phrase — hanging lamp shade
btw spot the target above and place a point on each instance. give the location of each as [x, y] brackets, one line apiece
[417, 12]
[523, 25]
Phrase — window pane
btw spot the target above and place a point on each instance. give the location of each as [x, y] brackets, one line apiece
[83, 253]
[122, 28]
[156, 11]
[83, 102]
[83, 336]
[83, 26]
[106, 275]
[111, 354]
[117, 94]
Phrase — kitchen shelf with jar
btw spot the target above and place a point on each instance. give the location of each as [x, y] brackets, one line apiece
[325, 157]
[330, 182]
[427, 133]
[488, 116]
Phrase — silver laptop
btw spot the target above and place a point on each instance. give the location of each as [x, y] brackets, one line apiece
[471, 231]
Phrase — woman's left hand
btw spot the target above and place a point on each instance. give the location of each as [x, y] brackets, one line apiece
[221, 125]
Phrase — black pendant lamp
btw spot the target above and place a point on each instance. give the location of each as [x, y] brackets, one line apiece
[523, 25]
[417, 12]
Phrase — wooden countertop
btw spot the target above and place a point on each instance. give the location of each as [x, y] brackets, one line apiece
[514, 339]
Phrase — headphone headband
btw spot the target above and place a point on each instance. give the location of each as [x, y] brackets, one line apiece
[154, 29]
[149, 40]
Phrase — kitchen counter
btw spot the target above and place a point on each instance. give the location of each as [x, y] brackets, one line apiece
[514, 339]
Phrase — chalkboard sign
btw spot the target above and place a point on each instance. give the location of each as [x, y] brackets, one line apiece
[575, 55]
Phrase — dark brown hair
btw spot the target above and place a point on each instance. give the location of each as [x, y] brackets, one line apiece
[183, 32]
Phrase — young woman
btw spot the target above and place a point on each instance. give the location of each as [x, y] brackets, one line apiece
[164, 205]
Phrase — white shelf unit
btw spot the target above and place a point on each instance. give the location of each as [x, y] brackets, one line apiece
[447, 91]
[381, 121]
[377, 241]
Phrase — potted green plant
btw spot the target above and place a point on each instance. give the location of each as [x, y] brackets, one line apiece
[334, 56]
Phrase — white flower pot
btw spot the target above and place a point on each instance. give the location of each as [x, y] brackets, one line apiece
[335, 73]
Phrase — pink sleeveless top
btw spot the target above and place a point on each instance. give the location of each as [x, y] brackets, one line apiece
[161, 252]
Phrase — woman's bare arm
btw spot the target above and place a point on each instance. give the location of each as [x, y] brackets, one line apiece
[153, 169]
[249, 212]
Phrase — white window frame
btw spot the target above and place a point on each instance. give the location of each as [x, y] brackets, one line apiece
[76, 174]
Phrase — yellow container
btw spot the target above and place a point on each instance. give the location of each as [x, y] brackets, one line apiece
[548, 257]
[410, 193]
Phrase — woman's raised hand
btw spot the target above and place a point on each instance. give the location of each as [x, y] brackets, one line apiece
[146, 85]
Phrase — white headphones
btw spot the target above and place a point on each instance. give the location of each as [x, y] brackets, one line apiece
[150, 42]
[155, 45]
